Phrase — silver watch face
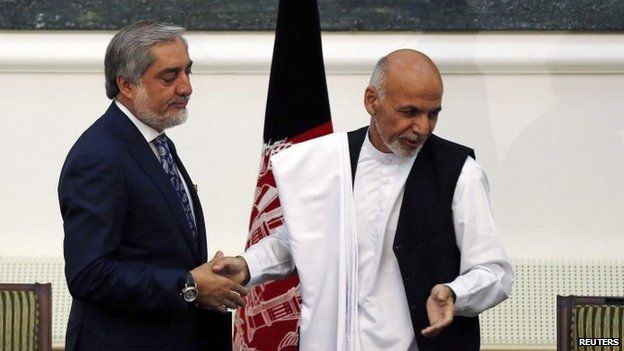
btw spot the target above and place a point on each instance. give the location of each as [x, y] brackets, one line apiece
[189, 293]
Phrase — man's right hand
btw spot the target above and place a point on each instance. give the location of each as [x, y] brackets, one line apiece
[234, 268]
[217, 292]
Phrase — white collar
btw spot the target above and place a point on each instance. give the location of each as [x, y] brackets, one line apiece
[387, 158]
[148, 132]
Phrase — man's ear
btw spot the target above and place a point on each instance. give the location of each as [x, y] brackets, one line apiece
[370, 100]
[127, 89]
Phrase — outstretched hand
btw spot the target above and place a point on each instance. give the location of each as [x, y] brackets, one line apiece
[234, 268]
[440, 309]
[217, 292]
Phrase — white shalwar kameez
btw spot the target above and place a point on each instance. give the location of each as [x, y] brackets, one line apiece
[339, 237]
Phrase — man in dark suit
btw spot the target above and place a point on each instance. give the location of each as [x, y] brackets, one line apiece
[135, 242]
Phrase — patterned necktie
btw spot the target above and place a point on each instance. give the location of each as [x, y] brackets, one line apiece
[166, 159]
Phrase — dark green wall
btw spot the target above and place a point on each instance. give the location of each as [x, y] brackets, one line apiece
[336, 15]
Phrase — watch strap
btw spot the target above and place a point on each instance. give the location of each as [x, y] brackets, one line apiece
[189, 279]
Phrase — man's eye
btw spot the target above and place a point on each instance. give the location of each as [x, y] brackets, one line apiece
[168, 79]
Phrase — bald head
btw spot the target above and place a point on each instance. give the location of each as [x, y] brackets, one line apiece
[403, 99]
[406, 65]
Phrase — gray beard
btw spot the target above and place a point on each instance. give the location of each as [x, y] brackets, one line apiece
[398, 150]
[395, 146]
[153, 119]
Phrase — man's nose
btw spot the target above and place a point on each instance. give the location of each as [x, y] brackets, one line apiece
[184, 85]
[421, 124]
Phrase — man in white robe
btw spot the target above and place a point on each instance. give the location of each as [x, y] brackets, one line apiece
[389, 228]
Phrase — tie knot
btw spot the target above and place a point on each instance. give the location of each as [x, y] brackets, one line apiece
[162, 140]
[162, 145]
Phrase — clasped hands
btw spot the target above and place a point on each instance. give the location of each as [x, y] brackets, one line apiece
[220, 283]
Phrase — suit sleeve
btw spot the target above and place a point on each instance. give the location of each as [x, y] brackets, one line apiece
[93, 204]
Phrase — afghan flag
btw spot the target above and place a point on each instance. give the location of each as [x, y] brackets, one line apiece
[297, 110]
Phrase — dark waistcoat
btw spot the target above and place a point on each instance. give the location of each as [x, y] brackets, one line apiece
[424, 243]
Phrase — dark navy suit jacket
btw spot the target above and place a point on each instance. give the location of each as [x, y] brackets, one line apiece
[128, 247]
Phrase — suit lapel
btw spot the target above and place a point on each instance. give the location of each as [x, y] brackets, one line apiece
[199, 215]
[143, 154]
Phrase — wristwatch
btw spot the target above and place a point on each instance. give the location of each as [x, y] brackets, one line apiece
[189, 292]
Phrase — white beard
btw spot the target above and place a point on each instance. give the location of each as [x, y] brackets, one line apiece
[396, 146]
[153, 119]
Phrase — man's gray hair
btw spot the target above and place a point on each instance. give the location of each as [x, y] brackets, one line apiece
[128, 54]
[378, 78]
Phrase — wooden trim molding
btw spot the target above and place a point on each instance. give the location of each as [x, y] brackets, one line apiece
[345, 53]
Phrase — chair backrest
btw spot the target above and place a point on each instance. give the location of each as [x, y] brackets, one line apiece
[26, 317]
[590, 323]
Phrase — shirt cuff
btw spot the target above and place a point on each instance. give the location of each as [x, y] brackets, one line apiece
[461, 296]
[253, 266]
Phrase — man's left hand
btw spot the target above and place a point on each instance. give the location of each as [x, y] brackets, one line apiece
[440, 309]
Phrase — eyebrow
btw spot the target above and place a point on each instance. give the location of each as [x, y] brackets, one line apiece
[412, 108]
[175, 69]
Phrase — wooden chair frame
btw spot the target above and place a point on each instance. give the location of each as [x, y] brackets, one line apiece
[565, 305]
[44, 299]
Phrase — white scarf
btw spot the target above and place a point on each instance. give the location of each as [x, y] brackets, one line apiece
[315, 190]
